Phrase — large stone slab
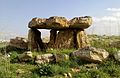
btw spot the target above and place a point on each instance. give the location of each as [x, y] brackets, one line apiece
[82, 39]
[38, 23]
[64, 39]
[91, 54]
[81, 22]
[53, 35]
[56, 22]
[34, 40]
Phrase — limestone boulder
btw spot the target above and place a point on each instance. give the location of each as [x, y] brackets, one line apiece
[50, 58]
[81, 22]
[26, 57]
[19, 42]
[117, 56]
[61, 57]
[44, 58]
[90, 54]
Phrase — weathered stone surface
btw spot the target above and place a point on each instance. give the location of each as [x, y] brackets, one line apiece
[26, 56]
[35, 41]
[44, 58]
[19, 42]
[76, 38]
[64, 39]
[50, 58]
[37, 23]
[91, 54]
[56, 22]
[61, 57]
[81, 22]
[53, 34]
[117, 56]
[82, 39]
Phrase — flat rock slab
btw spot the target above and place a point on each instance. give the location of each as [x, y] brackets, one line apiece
[56, 22]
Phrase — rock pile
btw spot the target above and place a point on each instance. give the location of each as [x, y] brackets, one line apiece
[63, 33]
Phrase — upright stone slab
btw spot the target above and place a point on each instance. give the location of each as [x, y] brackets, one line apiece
[35, 41]
[82, 39]
[53, 34]
[64, 39]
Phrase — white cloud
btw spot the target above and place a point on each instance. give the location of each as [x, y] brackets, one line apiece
[105, 18]
[107, 24]
[113, 9]
[116, 14]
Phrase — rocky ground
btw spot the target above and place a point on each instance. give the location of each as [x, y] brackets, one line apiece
[101, 60]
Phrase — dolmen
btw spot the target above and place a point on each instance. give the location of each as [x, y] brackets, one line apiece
[64, 34]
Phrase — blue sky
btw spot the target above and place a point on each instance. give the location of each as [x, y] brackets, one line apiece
[15, 14]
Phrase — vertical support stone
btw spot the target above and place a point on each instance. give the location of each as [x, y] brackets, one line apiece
[35, 41]
[82, 39]
[64, 39]
[53, 34]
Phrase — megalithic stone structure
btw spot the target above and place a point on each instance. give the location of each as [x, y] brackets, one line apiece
[63, 33]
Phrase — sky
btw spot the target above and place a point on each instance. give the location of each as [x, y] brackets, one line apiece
[16, 14]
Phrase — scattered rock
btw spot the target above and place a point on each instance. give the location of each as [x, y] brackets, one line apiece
[91, 54]
[26, 57]
[75, 70]
[20, 71]
[67, 75]
[19, 42]
[61, 57]
[44, 58]
[47, 58]
[91, 66]
[117, 56]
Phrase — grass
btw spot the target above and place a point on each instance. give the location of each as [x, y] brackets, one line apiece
[10, 68]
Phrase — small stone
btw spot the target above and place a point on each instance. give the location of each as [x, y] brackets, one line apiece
[69, 75]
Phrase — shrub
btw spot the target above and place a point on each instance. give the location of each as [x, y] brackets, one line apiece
[14, 57]
[44, 70]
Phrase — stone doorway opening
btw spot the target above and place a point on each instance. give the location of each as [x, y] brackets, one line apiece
[45, 35]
